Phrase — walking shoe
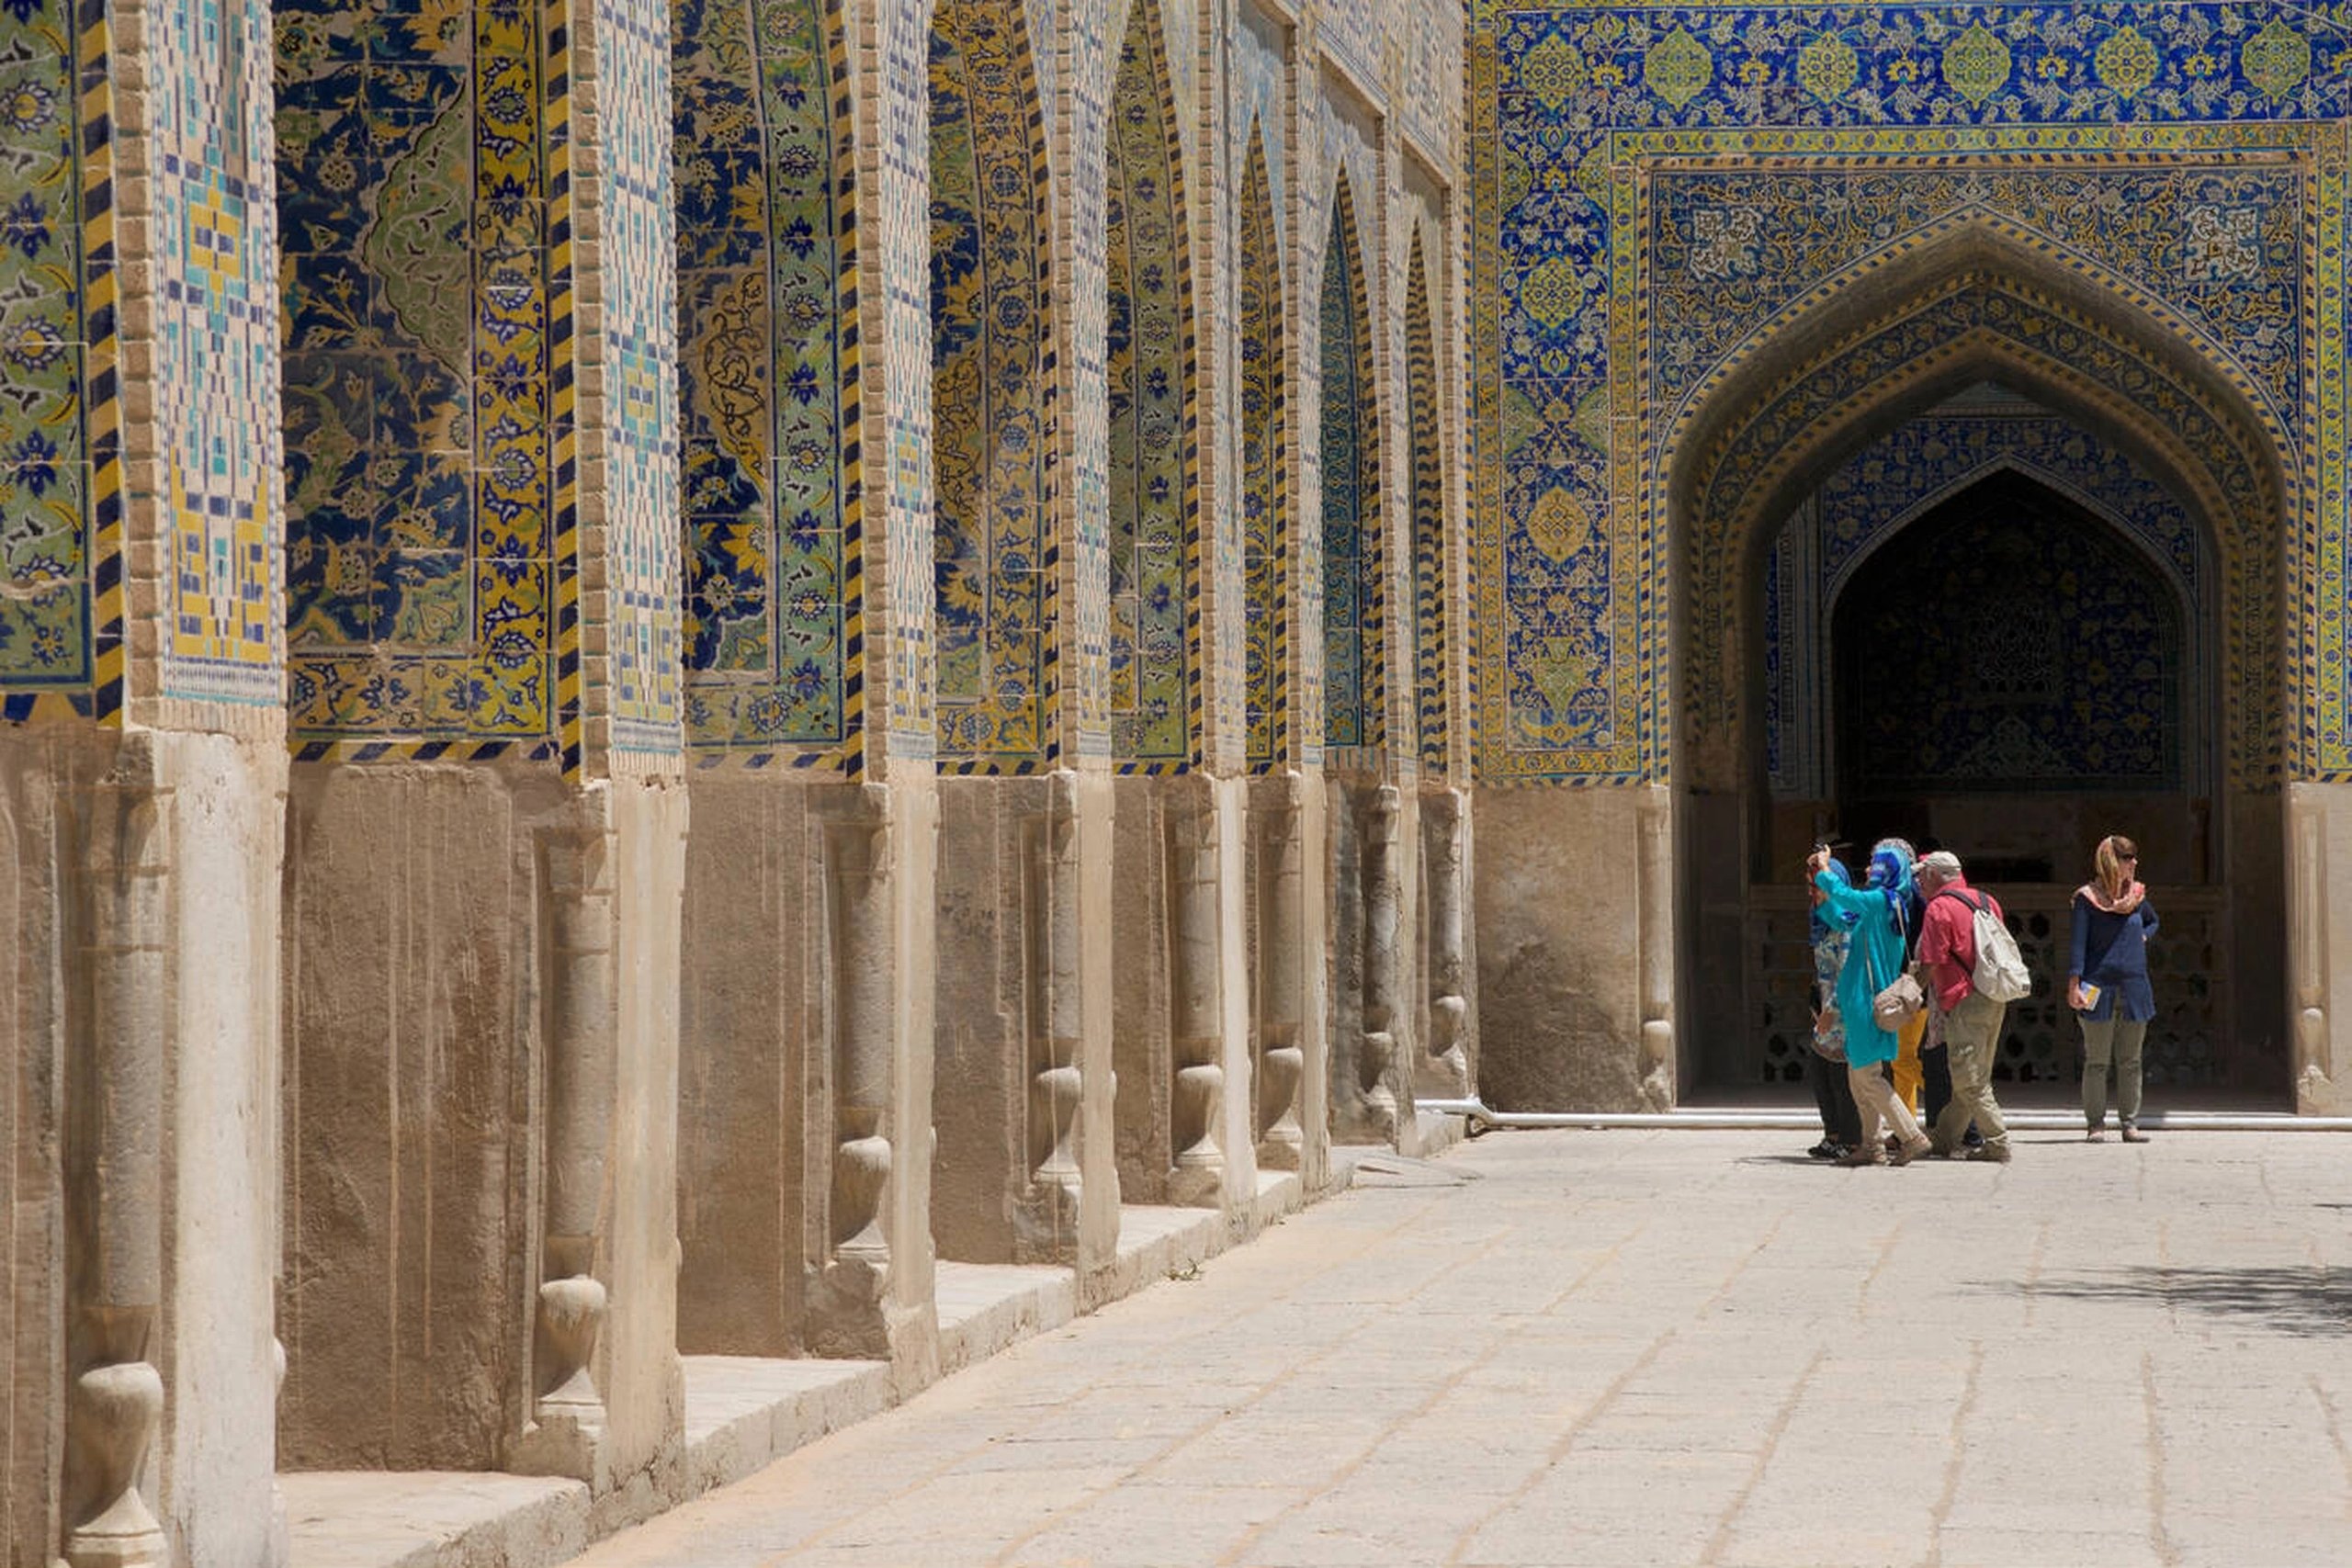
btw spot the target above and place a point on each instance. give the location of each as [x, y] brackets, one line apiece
[1868, 1154]
[1910, 1152]
[1828, 1148]
[2098, 1134]
[2131, 1134]
[1985, 1153]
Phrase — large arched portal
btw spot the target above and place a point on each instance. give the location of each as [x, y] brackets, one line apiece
[1986, 554]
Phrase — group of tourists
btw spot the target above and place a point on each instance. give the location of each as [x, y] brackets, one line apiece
[1915, 971]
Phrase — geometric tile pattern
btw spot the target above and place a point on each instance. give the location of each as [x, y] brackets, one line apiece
[1916, 466]
[2065, 641]
[894, 494]
[423, 215]
[1259, 332]
[1354, 693]
[2122, 381]
[60, 503]
[215, 352]
[2164, 157]
[768, 377]
[992, 396]
[1429, 654]
[639, 355]
[1154, 543]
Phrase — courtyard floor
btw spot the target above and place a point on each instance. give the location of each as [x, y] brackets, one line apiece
[1585, 1348]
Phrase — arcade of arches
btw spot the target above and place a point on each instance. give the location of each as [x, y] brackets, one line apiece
[677, 682]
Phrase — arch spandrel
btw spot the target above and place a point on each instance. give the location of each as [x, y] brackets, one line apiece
[1265, 534]
[1429, 644]
[1354, 599]
[1155, 622]
[1773, 430]
[995, 550]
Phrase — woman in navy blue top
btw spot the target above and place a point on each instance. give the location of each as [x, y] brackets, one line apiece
[2107, 984]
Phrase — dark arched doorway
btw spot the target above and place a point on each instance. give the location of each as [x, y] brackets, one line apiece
[2014, 676]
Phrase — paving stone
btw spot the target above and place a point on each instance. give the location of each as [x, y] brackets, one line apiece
[1696, 1353]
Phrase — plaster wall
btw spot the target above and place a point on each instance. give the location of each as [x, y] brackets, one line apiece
[751, 1175]
[413, 1029]
[1141, 942]
[40, 771]
[1025, 908]
[1557, 902]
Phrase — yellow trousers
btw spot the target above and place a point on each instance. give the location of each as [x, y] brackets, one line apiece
[1906, 1061]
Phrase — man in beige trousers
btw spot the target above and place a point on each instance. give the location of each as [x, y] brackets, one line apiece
[1972, 1022]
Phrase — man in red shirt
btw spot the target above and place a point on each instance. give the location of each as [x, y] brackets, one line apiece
[1972, 1022]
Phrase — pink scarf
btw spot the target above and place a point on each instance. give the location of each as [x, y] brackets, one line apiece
[2123, 904]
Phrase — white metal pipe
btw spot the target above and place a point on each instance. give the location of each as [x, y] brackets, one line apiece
[1701, 1119]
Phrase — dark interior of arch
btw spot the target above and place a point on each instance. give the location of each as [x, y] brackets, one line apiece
[2009, 643]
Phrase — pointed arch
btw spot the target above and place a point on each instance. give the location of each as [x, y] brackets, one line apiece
[994, 552]
[1154, 515]
[1265, 497]
[767, 379]
[1769, 437]
[2053, 611]
[1355, 607]
[1431, 654]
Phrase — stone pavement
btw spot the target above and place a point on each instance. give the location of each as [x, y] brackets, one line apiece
[1655, 1348]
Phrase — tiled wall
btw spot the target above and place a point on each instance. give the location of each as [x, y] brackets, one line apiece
[427, 381]
[1354, 600]
[61, 478]
[216, 358]
[631, 489]
[2208, 219]
[768, 375]
[1899, 478]
[994, 377]
[1155, 546]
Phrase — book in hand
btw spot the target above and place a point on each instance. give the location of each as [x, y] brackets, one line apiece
[2090, 996]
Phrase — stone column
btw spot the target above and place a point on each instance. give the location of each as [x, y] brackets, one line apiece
[115, 1182]
[846, 1305]
[1047, 1225]
[2309, 950]
[577, 888]
[1281, 968]
[1373, 1117]
[1443, 1070]
[1654, 905]
[1195, 1002]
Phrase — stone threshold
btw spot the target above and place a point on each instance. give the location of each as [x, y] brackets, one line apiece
[742, 1412]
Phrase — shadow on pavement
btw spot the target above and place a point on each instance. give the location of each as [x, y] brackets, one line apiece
[2288, 1300]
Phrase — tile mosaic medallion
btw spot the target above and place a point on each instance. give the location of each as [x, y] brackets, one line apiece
[1155, 621]
[423, 227]
[1428, 643]
[768, 382]
[992, 386]
[1353, 688]
[60, 503]
[1661, 191]
[1265, 534]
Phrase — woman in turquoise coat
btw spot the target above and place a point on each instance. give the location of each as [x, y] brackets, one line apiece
[1873, 958]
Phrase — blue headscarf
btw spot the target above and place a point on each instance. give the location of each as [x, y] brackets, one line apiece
[1891, 874]
[1824, 911]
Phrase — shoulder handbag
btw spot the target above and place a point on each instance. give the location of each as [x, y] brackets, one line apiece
[1897, 1002]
